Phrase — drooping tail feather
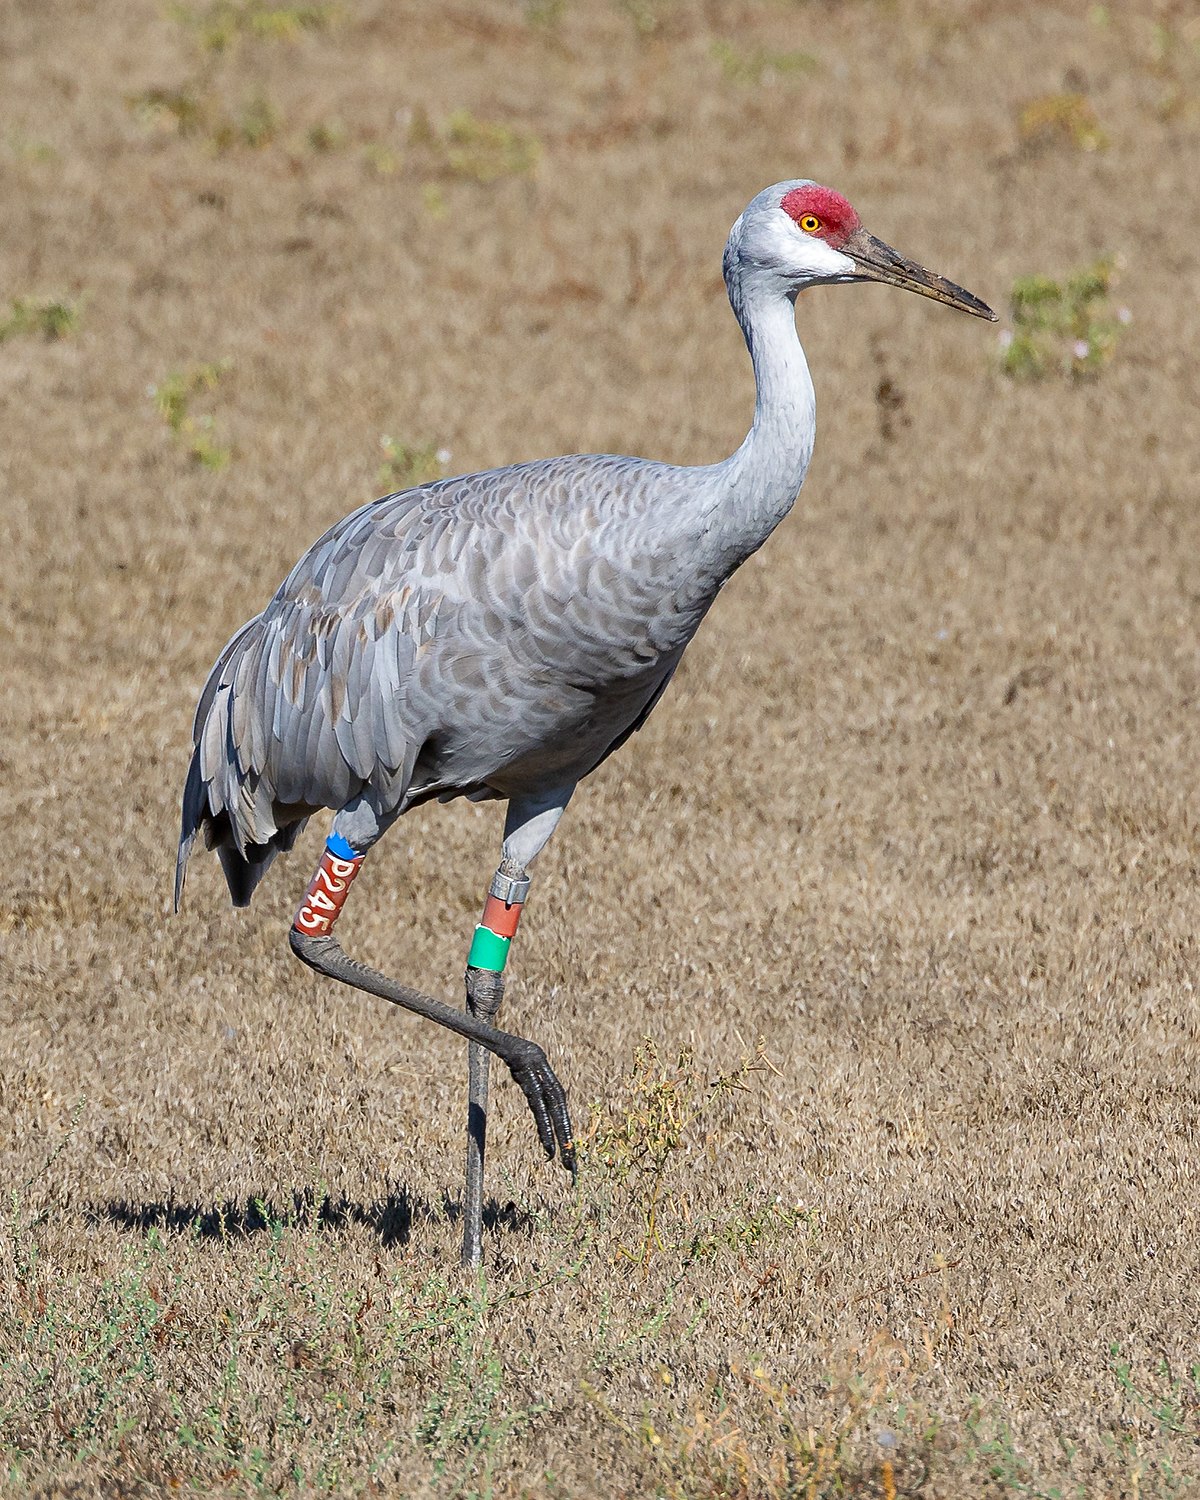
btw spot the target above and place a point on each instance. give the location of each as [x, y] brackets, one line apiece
[194, 804]
[243, 868]
[244, 871]
[244, 859]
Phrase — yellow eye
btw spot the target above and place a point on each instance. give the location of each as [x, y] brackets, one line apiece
[810, 223]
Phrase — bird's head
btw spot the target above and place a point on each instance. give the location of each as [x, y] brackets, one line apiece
[799, 234]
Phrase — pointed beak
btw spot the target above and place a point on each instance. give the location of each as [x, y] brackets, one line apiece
[879, 262]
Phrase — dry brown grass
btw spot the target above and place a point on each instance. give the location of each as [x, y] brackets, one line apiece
[935, 749]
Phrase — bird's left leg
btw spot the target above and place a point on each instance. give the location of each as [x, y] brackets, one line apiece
[529, 824]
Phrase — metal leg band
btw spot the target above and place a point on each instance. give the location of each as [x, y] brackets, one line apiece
[513, 890]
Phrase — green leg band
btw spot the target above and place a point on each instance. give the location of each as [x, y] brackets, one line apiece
[488, 951]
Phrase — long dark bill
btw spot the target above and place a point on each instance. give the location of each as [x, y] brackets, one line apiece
[879, 262]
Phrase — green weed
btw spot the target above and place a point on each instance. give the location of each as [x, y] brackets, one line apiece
[326, 135]
[646, 16]
[760, 65]
[25, 148]
[485, 150]
[545, 13]
[409, 464]
[1067, 118]
[465, 1426]
[1175, 63]
[1068, 327]
[1160, 1407]
[381, 160]
[180, 110]
[635, 1149]
[219, 27]
[173, 400]
[478, 150]
[188, 112]
[256, 124]
[52, 317]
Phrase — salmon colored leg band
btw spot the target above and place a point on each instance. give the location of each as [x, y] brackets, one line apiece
[327, 892]
[498, 926]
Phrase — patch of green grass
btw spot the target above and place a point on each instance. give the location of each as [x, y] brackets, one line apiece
[1068, 118]
[1175, 63]
[173, 398]
[409, 464]
[180, 110]
[381, 160]
[1067, 327]
[464, 146]
[188, 112]
[25, 148]
[326, 136]
[292, 1387]
[52, 317]
[315, 1364]
[646, 16]
[219, 27]
[256, 124]
[486, 150]
[545, 13]
[760, 65]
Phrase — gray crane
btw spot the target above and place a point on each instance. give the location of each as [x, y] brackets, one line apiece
[499, 635]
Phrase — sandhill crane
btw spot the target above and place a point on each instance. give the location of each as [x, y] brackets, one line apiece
[498, 635]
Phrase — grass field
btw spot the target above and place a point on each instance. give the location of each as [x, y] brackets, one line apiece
[890, 1178]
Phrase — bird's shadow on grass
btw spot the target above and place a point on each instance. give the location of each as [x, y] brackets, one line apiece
[390, 1219]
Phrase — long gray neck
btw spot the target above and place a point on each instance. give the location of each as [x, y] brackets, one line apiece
[761, 480]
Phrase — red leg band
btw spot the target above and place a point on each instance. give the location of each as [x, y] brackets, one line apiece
[499, 918]
[326, 894]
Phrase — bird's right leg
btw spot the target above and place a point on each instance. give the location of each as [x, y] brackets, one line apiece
[528, 826]
[313, 942]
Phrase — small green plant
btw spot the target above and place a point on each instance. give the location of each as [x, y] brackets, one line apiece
[1067, 118]
[255, 125]
[1161, 1408]
[25, 148]
[52, 317]
[545, 13]
[219, 27]
[380, 160]
[1175, 64]
[1069, 326]
[188, 112]
[409, 464]
[173, 398]
[181, 110]
[485, 150]
[469, 1418]
[434, 201]
[646, 16]
[760, 65]
[326, 135]
[636, 1149]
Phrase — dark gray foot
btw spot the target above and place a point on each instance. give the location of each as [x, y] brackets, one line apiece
[525, 1060]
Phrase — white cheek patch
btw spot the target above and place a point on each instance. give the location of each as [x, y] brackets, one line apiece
[823, 259]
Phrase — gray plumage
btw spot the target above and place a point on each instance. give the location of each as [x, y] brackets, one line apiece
[480, 636]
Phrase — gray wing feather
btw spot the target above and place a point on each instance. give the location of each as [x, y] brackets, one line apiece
[479, 635]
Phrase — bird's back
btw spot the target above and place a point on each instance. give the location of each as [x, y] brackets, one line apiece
[482, 635]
